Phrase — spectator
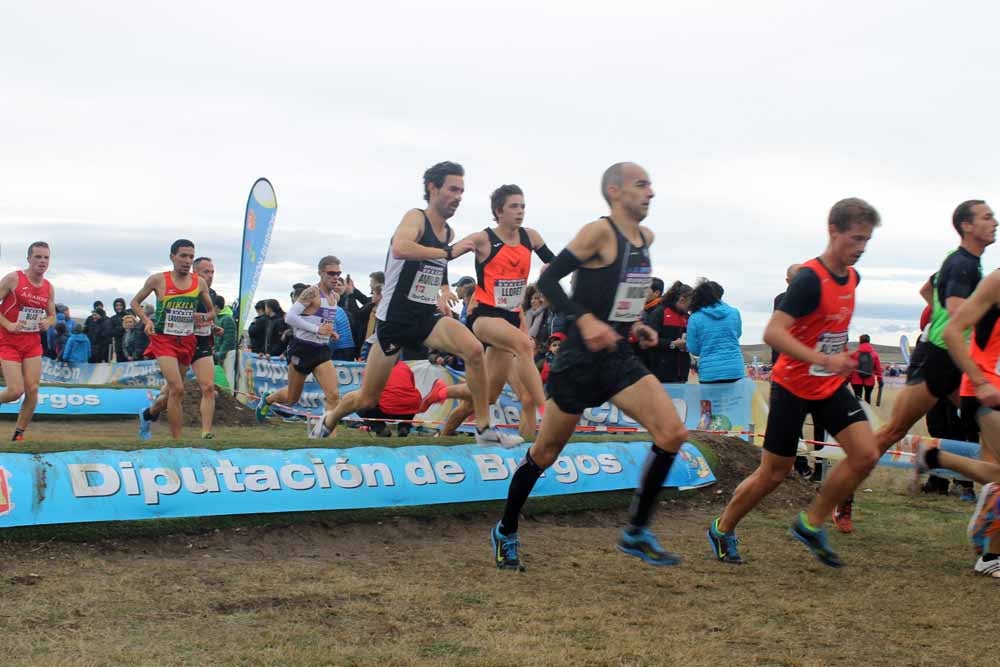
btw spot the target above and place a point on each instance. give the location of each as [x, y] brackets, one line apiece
[669, 361]
[99, 332]
[77, 350]
[537, 317]
[399, 400]
[257, 332]
[869, 369]
[465, 288]
[654, 294]
[367, 317]
[789, 274]
[62, 315]
[59, 341]
[554, 343]
[352, 301]
[275, 342]
[713, 335]
[226, 341]
[140, 341]
[116, 330]
[342, 347]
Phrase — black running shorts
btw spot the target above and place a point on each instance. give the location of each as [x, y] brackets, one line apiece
[512, 317]
[304, 357]
[595, 378]
[933, 366]
[788, 412]
[204, 347]
[394, 335]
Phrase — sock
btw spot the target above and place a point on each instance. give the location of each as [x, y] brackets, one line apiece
[17, 432]
[653, 475]
[989, 556]
[520, 488]
[149, 416]
[931, 457]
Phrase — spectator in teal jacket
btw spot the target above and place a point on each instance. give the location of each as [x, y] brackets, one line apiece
[713, 335]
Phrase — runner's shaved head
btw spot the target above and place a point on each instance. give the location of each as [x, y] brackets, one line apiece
[615, 176]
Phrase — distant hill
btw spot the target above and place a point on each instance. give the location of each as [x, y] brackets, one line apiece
[889, 354]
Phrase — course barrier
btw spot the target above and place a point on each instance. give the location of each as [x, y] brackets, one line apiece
[77, 401]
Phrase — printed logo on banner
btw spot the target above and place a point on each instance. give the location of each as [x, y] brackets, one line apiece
[6, 504]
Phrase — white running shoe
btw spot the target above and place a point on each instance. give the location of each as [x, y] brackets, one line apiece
[987, 568]
[320, 430]
[491, 437]
[919, 467]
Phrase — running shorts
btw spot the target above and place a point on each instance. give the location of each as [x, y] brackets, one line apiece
[788, 413]
[20, 346]
[595, 379]
[393, 335]
[933, 366]
[179, 347]
[512, 317]
[304, 357]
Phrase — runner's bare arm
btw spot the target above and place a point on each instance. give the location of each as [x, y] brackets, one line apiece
[404, 239]
[778, 336]
[476, 241]
[50, 310]
[538, 245]
[206, 299]
[7, 285]
[971, 311]
[927, 292]
[151, 286]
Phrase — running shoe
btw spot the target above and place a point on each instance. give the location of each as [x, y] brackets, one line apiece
[842, 516]
[641, 543]
[724, 545]
[208, 435]
[320, 430]
[145, 427]
[438, 390]
[816, 541]
[491, 437]
[919, 466]
[987, 568]
[505, 550]
[263, 409]
[18, 437]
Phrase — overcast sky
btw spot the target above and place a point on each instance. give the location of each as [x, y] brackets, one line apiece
[123, 128]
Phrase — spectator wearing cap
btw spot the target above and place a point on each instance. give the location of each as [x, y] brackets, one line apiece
[99, 333]
[552, 348]
[465, 287]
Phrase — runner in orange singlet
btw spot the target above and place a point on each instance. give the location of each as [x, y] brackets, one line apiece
[809, 329]
[503, 262]
[27, 307]
[171, 337]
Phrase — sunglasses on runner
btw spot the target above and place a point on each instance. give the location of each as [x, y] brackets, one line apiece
[333, 274]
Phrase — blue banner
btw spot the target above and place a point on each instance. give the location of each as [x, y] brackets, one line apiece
[104, 485]
[126, 373]
[258, 223]
[261, 374]
[86, 401]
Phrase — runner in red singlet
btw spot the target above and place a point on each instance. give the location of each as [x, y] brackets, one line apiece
[809, 329]
[503, 262]
[27, 307]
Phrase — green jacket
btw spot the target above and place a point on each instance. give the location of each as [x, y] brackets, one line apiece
[227, 340]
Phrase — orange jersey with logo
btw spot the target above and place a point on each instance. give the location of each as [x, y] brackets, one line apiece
[503, 276]
[825, 330]
[984, 348]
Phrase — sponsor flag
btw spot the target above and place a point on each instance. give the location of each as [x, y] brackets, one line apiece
[258, 223]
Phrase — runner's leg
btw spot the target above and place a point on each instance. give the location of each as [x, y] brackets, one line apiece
[291, 393]
[858, 443]
[520, 349]
[377, 371]
[326, 376]
[204, 373]
[14, 379]
[175, 393]
[31, 369]
[452, 336]
[912, 403]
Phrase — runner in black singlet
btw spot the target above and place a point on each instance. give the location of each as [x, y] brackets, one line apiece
[610, 258]
[416, 303]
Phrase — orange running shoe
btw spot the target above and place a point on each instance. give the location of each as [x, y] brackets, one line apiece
[437, 394]
[18, 437]
[842, 516]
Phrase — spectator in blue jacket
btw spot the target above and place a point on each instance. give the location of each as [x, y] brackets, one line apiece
[342, 347]
[62, 315]
[77, 348]
[713, 335]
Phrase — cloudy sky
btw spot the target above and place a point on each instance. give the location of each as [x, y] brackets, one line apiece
[124, 127]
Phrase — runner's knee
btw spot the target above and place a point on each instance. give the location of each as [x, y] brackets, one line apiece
[367, 402]
[864, 461]
[16, 390]
[773, 475]
[31, 388]
[473, 354]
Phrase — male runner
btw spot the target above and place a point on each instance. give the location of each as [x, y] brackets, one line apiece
[932, 375]
[809, 330]
[503, 262]
[203, 363]
[416, 298]
[171, 337]
[312, 318]
[27, 306]
[612, 272]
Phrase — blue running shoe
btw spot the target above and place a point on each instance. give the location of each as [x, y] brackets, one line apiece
[263, 409]
[724, 545]
[505, 550]
[815, 540]
[145, 427]
[641, 543]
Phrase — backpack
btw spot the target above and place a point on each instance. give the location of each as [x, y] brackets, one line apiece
[866, 364]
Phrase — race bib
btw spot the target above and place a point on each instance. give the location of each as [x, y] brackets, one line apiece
[508, 294]
[426, 283]
[203, 327]
[30, 317]
[828, 344]
[630, 297]
[179, 321]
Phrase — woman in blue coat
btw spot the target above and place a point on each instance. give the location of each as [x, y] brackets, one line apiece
[713, 335]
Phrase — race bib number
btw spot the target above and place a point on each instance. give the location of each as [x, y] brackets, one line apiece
[508, 294]
[29, 318]
[202, 327]
[630, 297]
[828, 344]
[426, 283]
[179, 322]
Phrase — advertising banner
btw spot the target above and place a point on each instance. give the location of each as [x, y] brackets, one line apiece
[258, 223]
[105, 485]
[86, 401]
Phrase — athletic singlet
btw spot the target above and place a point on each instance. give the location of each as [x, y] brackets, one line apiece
[175, 310]
[411, 285]
[958, 276]
[325, 314]
[205, 330]
[616, 293]
[26, 303]
[503, 276]
[825, 330]
[985, 351]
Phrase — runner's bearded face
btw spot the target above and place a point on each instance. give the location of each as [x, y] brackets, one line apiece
[636, 192]
[206, 270]
[983, 227]
[38, 262]
[848, 246]
[330, 277]
[445, 200]
[512, 213]
[183, 260]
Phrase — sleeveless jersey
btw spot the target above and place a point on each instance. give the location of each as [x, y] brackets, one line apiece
[175, 310]
[26, 304]
[503, 276]
[205, 330]
[411, 286]
[325, 314]
[985, 351]
[825, 330]
[961, 266]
